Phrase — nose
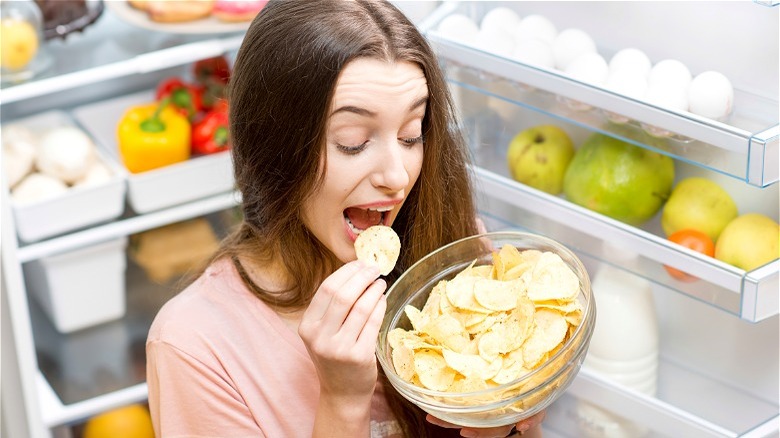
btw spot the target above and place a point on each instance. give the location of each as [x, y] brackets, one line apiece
[391, 173]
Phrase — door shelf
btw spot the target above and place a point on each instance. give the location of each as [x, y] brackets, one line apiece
[749, 295]
[746, 146]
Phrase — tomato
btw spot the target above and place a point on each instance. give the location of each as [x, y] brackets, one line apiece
[695, 240]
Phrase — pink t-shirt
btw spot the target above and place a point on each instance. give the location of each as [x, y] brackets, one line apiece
[221, 363]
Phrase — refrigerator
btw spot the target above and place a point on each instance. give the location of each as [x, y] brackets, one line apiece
[716, 339]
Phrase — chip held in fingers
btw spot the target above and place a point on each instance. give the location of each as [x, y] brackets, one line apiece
[378, 245]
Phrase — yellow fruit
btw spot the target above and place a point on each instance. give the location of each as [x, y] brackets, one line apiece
[538, 157]
[749, 241]
[698, 204]
[18, 43]
[132, 421]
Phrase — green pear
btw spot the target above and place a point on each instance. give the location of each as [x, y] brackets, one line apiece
[749, 241]
[618, 179]
[538, 157]
[698, 204]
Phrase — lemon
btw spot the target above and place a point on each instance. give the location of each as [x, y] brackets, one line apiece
[132, 421]
[18, 43]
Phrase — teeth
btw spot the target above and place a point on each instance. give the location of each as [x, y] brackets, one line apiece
[354, 229]
[382, 209]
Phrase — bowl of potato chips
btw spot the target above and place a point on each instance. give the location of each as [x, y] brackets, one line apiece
[488, 330]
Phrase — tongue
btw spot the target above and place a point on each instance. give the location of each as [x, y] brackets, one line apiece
[363, 218]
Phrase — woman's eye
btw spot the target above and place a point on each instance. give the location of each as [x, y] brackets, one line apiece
[412, 141]
[352, 150]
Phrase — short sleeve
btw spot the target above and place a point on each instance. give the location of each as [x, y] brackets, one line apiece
[189, 398]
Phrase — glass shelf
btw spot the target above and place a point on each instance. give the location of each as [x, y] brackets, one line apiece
[112, 48]
[91, 370]
[489, 124]
[745, 146]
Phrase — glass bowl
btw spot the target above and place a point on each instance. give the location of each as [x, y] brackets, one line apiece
[501, 404]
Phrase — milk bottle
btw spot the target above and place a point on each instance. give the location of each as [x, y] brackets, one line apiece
[624, 346]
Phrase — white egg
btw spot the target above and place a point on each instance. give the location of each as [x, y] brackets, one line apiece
[500, 18]
[630, 59]
[538, 27]
[535, 52]
[570, 44]
[670, 97]
[710, 94]
[669, 73]
[458, 27]
[627, 82]
[495, 41]
[589, 67]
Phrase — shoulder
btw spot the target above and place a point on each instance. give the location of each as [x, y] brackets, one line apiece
[203, 307]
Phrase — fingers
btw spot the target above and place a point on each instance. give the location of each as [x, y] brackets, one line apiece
[531, 422]
[370, 330]
[336, 284]
[347, 296]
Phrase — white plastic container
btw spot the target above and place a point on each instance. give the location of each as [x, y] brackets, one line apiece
[82, 288]
[78, 207]
[196, 178]
[624, 346]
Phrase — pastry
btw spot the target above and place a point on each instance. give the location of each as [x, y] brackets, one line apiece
[237, 10]
[176, 11]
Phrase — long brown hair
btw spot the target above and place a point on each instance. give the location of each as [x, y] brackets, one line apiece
[280, 92]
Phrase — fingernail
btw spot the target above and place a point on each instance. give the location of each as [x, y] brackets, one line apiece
[468, 433]
[523, 428]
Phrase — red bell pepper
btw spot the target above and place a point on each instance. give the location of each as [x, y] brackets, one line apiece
[210, 134]
[212, 76]
[216, 69]
[186, 98]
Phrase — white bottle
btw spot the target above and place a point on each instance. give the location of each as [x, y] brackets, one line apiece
[624, 346]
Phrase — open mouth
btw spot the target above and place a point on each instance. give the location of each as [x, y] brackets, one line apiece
[358, 219]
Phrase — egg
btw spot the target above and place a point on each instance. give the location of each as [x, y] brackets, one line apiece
[495, 41]
[500, 18]
[458, 27]
[589, 67]
[570, 44]
[536, 26]
[630, 59]
[535, 52]
[669, 73]
[670, 97]
[710, 94]
[627, 82]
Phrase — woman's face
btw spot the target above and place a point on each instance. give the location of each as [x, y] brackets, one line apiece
[374, 151]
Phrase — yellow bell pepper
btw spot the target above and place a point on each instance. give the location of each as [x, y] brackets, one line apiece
[152, 136]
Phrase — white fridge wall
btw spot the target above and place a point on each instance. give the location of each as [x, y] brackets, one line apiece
[745, 48]
[717, 344]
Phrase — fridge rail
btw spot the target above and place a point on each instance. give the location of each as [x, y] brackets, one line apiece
[747, 147]
[750, 295]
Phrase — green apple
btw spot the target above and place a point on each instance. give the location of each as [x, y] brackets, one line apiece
[538, 157]
[618, 179]
[698, 204]
[749, 241]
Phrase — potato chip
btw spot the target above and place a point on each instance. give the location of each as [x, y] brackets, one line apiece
[448, 332]
[460, 293]
[472, 365]
[432, 370]
[497, 295]
[551, 279]
[549, 330]
[468, 384]
[403, 362]
[378, 245]
[417, 318]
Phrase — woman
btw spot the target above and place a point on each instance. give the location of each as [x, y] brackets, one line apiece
[340, 119]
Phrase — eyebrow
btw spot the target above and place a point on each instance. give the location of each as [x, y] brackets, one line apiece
[364, 112]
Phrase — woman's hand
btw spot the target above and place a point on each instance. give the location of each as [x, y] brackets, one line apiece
[340, 328]
[531, 423]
